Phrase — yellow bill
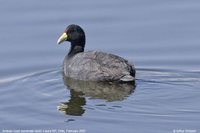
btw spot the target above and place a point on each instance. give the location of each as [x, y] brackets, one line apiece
[62, 38]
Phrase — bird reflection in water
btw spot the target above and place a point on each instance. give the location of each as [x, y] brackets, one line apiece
[108, 91]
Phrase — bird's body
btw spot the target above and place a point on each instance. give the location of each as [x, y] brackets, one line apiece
[93, 65]
[98, 66]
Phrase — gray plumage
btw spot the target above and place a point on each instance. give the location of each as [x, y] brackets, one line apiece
[92, 65]
[98, 66]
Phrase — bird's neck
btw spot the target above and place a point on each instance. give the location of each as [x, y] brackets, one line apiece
[75, 49]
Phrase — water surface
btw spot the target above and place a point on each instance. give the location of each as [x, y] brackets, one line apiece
[160, 37]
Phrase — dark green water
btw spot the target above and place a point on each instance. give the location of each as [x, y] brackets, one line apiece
[160, 37]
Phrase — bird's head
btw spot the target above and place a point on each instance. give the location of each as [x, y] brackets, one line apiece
[74, 34]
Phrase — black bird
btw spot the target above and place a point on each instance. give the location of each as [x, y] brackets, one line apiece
[92, 65]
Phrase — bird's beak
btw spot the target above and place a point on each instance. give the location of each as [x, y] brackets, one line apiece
[62, 38]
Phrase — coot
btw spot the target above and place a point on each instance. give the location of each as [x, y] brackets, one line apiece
[92, 65]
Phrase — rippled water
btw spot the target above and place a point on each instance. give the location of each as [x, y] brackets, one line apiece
[160, 37]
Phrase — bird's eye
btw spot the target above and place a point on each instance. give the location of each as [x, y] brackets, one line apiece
[70, 31]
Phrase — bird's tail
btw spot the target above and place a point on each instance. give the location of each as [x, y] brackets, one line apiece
[127, 78]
